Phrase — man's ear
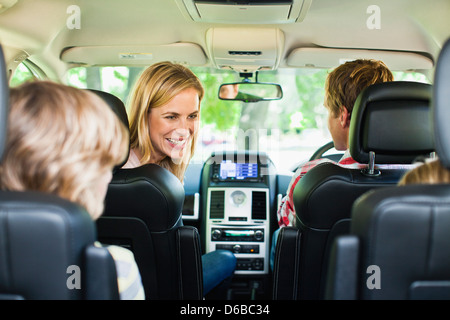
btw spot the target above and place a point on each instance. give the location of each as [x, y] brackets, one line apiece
[344, 117]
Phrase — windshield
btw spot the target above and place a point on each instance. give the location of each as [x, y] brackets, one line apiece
[288, 130]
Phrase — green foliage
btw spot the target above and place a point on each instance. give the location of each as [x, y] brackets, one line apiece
[310, 89]
[21, 75]
[77, 77]
[292, 127]
[223, 115]
[410, 76]
[301, 107]
[115, 80]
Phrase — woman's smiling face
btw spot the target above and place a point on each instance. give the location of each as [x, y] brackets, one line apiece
[172, 126]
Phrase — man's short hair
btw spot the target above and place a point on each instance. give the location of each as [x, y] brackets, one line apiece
[344, 83]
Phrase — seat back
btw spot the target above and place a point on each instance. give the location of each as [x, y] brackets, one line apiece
[47, 251]
[384, 116]
[4, 102]
[398, 246]
[143, 212]
[47, 246]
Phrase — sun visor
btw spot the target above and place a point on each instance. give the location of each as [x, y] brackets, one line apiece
[331, 57]
[183, 53]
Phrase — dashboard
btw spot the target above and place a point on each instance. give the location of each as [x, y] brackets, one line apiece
[232, 198]
[239, 195]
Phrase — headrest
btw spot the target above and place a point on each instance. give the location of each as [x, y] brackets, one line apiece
[4, 102]
[393, 120]
[144, 185]
[45, 234]
[441, 105]
[116, 105]
[119, 109]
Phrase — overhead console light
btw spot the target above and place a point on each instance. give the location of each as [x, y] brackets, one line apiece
[245, 49]
[245, 11]
[332, 57]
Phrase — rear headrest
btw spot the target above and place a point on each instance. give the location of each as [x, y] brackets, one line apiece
[116, 105]
[45, 234]
[119, 109]
[441, 105]
[4, 102]
[393, 120]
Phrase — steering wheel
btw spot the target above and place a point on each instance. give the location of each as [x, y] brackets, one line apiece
[319, 152]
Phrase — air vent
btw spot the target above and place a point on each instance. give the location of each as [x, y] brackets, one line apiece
[216, 207]
[259, 205]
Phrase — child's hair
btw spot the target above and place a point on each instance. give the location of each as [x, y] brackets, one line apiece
[61, 140]
[430, 172]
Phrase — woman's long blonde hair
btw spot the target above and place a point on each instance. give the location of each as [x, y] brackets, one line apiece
[156, 86]
[61, 140]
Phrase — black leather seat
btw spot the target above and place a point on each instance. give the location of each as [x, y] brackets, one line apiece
[47, 244]
[400, 235]
[143, 212]
[387, 122]
[47, 251]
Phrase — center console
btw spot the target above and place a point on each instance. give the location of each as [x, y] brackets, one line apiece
[239, 190]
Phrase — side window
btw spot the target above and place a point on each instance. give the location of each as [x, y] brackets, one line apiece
[410, 76]
[21, 75]
[115, 80]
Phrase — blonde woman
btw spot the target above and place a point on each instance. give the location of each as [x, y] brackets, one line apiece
[66, 141]
[164, 117]
[164, 109]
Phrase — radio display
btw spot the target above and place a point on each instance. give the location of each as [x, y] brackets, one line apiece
[237, 171]
[239, 233]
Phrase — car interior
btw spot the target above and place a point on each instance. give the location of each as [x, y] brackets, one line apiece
[276, 55]
[44, 237]
[417, 265]
[319, 222]
[414, 274]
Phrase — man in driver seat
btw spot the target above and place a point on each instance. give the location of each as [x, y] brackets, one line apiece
[342, 87]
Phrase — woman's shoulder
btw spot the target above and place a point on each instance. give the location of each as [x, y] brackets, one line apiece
[133, 161]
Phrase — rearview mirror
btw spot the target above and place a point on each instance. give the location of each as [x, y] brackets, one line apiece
[250, 91]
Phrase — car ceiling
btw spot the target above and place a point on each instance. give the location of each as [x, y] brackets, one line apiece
[164, 29]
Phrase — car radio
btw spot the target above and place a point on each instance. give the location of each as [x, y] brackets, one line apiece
[224, 234]
[237, 220]
[236, 208]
